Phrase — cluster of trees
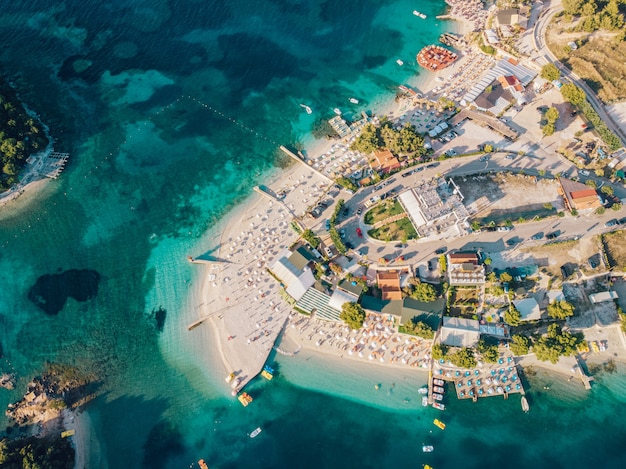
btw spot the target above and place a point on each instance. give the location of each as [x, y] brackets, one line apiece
[463, 357]
[334, 234]
[353, 315]
[551, 116]
[403, 141]
[520, 345]
[36, 453]
[419, 328]
[560, 309]
[556, 343]
[347, 183]
[20, 136]
[420, 291]
[576, 96]
[596, 15]
[512, 316]
[309, 236]
[489, 352]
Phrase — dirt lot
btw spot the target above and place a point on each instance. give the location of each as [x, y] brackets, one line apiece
[572, 253]
[616, 247]
[504, 196]
[599, 61]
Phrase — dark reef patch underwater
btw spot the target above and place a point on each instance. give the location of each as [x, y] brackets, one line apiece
[51, 291]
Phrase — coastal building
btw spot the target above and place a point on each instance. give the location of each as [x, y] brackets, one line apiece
[578, 196]
[296, 281]
[494, 99]
[459, 332]
[506, 19]
[555, 295]
[407, 309]
[434, 206]
[317, 303]
[389, 283]
[384, 161]
[465, 269]
[345, 292]
[528, 309]
[512, 84]
[603, 296]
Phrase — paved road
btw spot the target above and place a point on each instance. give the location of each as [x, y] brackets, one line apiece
[544, 53]
[419, 252]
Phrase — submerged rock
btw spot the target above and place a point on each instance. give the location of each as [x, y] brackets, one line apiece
[51, 291]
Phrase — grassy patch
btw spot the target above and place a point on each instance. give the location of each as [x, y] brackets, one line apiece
[399, 230]
[385, 209]
[615, 244]
[464, 302]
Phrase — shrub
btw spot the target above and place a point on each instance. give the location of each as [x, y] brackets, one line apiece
[353, 315]
[520, 345]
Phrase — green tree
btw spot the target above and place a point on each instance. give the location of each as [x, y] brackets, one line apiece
[545, 351]
[463, 358]
[548, 129]
[419, 328]
[505, 277]
[347, 183]
[512, 316]
[573, 7]
[560, 309]
[488, 148]
[552, 115]
[424, 292]
[550, 72]
[489, 352]
[368, 141]
[443, 264]
[573, 94]
[520, 345]
[607, 190]
[353, 315]
[439, 351]
[591, 183]
[309, 237]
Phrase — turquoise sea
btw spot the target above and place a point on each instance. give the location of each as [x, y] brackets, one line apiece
[172, 111]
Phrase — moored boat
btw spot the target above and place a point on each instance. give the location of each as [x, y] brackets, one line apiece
[427, 448]
[525, 406]
[268, 372]
[437, 397]
[440, 424]
[439, 406]
[202, 464]
[424, 401]
[353, 100]
[255, 432]
[438, 389]
[423, 390]
[235, 384]
[337, 111]
[438, 382]
[245, 399]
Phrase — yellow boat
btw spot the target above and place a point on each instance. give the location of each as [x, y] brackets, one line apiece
[67, 433]
[426, 466]
[439, 424]
[230, 377]
[267, 375]
[245, 399]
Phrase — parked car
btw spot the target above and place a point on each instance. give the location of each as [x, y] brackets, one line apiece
[510, 157]
[612, 222]
[359, 232]
[537, 236]
[327, 224]
[584, 172]
[441, 250]
[328, 252]
[553, 235]
[505, 228]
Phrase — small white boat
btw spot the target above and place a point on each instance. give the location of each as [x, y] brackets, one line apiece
[423, 390]
[235, 383]
[427, 448]
[337, 111]
[419, 15]
[525, 406]
[306, 108]
[255, 432]
[400, 62]
[353, 100]
[425, 401]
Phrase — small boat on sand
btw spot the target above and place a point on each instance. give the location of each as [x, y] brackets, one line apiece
[235, 383]
[306, 108]
[230, 377]
[427, 448]
[255, 432]
[438, 423]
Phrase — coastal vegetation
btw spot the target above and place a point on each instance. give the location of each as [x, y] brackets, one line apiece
[20, 136]
[403, 141]
[489, 352]
[556, 343]
[399, 230]
[51, 452]
[423, 292]
[463, 358]
[550, 72]
[551, 116]
[418, 328]
[512, 316]
[385, 209]
[347, 183]
[334, 234]
[309, 236]
[353, 315]
[439, 351]
[520, 345]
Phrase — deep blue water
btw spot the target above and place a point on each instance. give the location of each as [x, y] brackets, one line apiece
[123, 87]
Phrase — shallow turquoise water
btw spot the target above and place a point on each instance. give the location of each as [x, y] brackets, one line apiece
[152, 173]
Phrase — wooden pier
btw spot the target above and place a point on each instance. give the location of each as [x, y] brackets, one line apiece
[586, 379]
[54, 164]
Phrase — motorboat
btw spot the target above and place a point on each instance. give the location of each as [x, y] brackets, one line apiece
[437, 397]
[202, 464]
[438, 423]
[255, 432]
[353, 100]
[307, 108]
[400, 62]
[439, 406]
[438, 382]
[427, 448]
[438, 389]
[525, 406]
[423, 390]
[235, 384]
[337, 111]
[425, 401]
[419, 14]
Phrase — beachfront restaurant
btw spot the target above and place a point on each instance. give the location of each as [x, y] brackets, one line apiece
[460, 332]
[407, 309]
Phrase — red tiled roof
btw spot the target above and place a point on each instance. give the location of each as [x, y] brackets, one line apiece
[582, 194]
